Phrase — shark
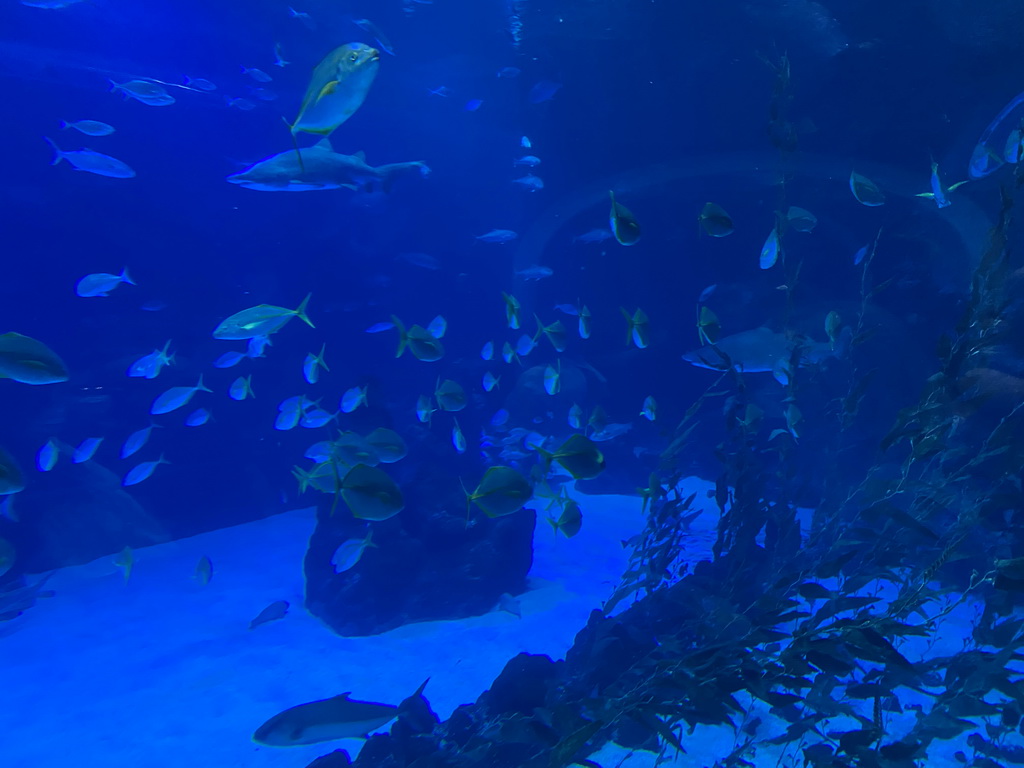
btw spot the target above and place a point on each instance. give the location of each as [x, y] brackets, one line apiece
[320, 167]
[763, 350]
[339, 717]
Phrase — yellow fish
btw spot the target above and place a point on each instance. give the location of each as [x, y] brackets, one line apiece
[337, 89]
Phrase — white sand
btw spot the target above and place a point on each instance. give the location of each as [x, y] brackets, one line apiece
[163, 672]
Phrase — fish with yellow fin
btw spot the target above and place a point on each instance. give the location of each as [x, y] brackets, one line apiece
[337, 89]
[623, 223]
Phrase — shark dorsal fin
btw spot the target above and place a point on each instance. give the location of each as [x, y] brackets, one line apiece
[325, 144]
[360, 155]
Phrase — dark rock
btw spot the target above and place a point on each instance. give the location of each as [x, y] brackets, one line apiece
[337, 759]
[428, 564]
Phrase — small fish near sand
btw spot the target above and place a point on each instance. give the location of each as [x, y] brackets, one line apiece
[203, 573]
[272, 612]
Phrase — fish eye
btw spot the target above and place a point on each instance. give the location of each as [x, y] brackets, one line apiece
[352, 57]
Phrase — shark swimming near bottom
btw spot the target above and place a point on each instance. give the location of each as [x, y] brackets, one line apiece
[342, 717]
[322, 168]
[762, 349]
[325, 720]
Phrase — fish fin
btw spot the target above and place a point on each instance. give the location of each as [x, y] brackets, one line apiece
[324, 143]
[469, 507]
[126, 278]
[929, 195]
[548, 457]
[629, 325]
[327, 90]
[360, 155]
[57, 154]
[402, 338]
[300, 311]
[958, 185]
[295, 141]
[419, 691]
[781, 373]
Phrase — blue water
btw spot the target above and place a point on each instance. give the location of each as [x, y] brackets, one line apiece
[670, 105]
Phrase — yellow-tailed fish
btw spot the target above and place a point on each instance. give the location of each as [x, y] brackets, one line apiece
[866, 191]
[261, 320]
[715, 221]
[623, 223]
[371, 494]
[570, 521]
[555, 333]
[337, 88]
[579, 455]
[638, 329]
[502, 491]
[939, 193]
[388, 444]
[419, 341]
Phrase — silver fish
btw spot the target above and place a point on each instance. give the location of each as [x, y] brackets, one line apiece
[91, 162]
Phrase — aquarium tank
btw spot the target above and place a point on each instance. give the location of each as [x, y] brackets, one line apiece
[512, 384]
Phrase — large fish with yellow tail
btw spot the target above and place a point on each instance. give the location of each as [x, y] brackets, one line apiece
[337, 89]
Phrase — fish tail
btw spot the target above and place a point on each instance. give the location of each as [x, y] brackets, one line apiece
[200, 387]
[403, 339]
[300, 311]
[469, 507]
[540, 328]
[65, 124]
[57, 154]
[548, 458]
[629, 325]
[126, 278]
